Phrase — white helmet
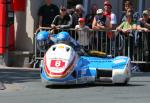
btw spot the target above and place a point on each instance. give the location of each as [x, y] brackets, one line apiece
[99, 11]
[79, 6]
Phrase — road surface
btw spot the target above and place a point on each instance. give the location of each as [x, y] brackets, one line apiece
[24, 86]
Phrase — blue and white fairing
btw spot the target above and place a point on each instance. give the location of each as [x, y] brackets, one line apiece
[111, 70]
[62, 65]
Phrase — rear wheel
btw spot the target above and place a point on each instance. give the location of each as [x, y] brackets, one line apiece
[125, 83]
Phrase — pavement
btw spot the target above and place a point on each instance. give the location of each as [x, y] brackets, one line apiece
[11, 76]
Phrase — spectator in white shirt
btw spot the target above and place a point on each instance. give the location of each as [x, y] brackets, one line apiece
[108, 12]
[83, 33]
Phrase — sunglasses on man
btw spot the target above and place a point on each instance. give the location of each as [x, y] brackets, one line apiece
[63, 9]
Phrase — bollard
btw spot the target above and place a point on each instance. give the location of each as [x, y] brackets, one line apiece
[2, 86]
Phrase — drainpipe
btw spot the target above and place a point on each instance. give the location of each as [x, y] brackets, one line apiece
[140, 7]
[85, 4]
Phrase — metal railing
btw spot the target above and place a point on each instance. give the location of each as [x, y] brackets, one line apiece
[133, 44]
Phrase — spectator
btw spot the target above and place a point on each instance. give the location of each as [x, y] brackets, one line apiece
[78, 13]
[106, 1]
[129, 8]
[101, 22]
[126, 28]
[113, 22]
[144, 25]
[62, 21]
[127, 5]
[47, 13]
[90, 16]
[83, 33]
[145, 21]
[127, 25]
[110, 14]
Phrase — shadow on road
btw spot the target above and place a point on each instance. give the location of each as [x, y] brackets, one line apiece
[10, 76]
[76, 86]
[141, 74]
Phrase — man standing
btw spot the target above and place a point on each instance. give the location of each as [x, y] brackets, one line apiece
[90, 16]
[62, 21]
[100, 23]
[145, 21]
[110, 14]
[47, 13]
[144, 25]
[113, 22]
[79, 10]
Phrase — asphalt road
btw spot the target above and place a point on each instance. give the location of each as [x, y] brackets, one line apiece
[24, 86]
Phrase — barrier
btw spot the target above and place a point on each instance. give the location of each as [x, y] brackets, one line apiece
[135, 45]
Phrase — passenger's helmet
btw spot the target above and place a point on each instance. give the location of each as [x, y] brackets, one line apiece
[42, 39]
[42, 36]
[79, 7]
[63, 36]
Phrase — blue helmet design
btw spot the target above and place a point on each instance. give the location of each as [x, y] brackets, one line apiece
[63, 36]
[42, 35]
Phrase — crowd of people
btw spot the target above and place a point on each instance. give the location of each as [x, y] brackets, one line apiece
[97, 19]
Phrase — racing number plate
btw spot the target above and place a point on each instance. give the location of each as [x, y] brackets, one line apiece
[57, 64]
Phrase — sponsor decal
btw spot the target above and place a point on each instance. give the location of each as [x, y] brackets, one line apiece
[119, 65]
[57, 63]
[57, 68]
[119, 61]
[61, 47]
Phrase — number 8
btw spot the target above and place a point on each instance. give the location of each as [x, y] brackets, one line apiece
[57, 63]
